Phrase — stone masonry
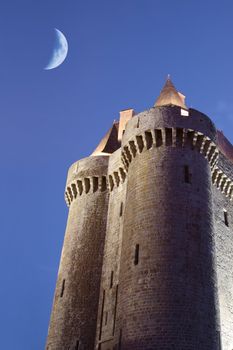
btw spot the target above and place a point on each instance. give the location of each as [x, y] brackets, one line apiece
[147, 259]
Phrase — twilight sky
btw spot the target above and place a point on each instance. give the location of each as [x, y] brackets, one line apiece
[120, 53]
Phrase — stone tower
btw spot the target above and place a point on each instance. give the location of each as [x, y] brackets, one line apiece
[147, 260]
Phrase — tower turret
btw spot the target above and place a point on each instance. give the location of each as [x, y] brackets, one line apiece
[167, 282]
[74, 314]
[138, 267]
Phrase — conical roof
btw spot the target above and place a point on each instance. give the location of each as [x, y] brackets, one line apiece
[170, 96]
[109, 142]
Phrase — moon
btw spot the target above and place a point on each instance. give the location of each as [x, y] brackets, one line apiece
[60, 51]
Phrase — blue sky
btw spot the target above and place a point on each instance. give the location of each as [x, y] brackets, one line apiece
[119, 55]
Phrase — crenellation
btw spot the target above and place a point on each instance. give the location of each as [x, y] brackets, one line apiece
[125, 161]
[133, 148]
[169, 137]
[140, 143]
[85, 186]
[110, 182]
[80, 187]
[222, 182]
[210, 151]
[190, 138]
[199, 141]
[173, 137]
[219, 178]
[227, 186]
[122, 175]
[195, 138]
[128, 154]
[74, 190]
[230, 192]
[103, 183]
[214, 158]
[148, 139]
[215, 172]
[117, 178]
[183, 138]
[70, 193]
[95, 184]
[179, 137]
[158, 137]
[67, 199]
[206, 147]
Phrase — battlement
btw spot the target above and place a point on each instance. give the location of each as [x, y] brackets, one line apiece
[169, 117]
[222, 182]
[83, 186]
[173, 137]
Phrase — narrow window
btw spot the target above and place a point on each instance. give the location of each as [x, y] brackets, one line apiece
[226, 218]
[106, 318]
[102, 314]
[111, 280]
[115, 311]
[120, 340]
[219, 340]
[121, 209]
[77, 345]
[187, 174]
[62, 288]
[136, 254]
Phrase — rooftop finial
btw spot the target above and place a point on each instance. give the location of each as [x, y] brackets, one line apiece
[170, 96]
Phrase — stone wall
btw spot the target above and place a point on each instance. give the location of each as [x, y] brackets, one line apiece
[74, 315]
[223, 214]
[148, 228]
[167, 286]
[106, 333]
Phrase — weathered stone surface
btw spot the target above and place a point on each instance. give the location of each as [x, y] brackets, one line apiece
[148, 255]
[224, 258]
[73, 319]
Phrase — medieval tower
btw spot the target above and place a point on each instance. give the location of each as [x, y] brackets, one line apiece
[147, 260]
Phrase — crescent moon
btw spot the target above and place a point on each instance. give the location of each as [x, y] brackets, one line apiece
[60, 51]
